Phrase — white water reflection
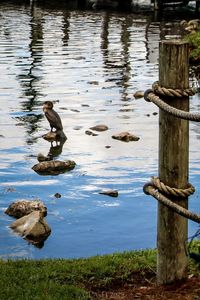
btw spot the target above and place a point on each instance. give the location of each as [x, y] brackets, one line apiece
[90, 64]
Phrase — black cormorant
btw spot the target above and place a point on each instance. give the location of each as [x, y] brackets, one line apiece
[52, 116]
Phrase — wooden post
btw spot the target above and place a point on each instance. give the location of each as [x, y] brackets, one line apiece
[173, 162]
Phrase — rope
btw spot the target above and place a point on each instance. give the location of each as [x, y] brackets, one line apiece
[151, 95]
[155, 182]
[172, 92]
[150, 189]
[156, 188]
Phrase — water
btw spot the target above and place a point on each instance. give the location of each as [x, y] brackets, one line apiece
[91, 63]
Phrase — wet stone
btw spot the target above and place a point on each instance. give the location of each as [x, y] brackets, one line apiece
[138, 94]
[10, 190]
[111, 193]
[94, 82]
[99, 128]
[89, 132]
[21, 208]
[125, 137]
[75, 110]
[33, 227]
[54, 167]
[57, 195]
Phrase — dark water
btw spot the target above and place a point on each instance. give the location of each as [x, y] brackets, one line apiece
[91, 63]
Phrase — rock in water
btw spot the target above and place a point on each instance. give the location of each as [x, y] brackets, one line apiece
[99, 128]
[111, 193]
[32, 226]
[125, 137]
[53, 167]
[89, 132]
[21, 208]
[138, 94]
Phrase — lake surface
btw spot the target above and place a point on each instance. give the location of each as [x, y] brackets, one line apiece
[89, 63]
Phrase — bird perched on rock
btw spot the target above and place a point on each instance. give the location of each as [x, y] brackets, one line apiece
[52, 116]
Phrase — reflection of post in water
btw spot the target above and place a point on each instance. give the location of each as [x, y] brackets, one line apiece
[35, 48]
[104, 36]
[120, 73]
[66, 25]
[152, 38]
[125, 39]
[28, 79]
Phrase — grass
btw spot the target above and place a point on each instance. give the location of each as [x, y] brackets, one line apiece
[74, 279]
[194, 43]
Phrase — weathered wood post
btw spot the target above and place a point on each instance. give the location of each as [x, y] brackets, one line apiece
[173, 162]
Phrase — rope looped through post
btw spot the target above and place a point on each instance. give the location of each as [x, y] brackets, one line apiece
[152, 95]
[171, 191]
[178, 93]
[155, 188]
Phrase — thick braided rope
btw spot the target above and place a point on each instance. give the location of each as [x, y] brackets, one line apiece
[156, 187]
[150, 96]
[161, 187]
[150, 189]
[158, 90]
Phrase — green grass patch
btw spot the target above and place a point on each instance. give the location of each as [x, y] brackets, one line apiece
[194, 44]
[74, 279]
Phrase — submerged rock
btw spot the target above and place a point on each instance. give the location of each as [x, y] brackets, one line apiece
[111, 193]
[57, 195]
[100, 127]
[138, 94]
[125, 137]
[94, 82]
[21, 208]
[53, 167]
[89, 132]
[32, 227]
